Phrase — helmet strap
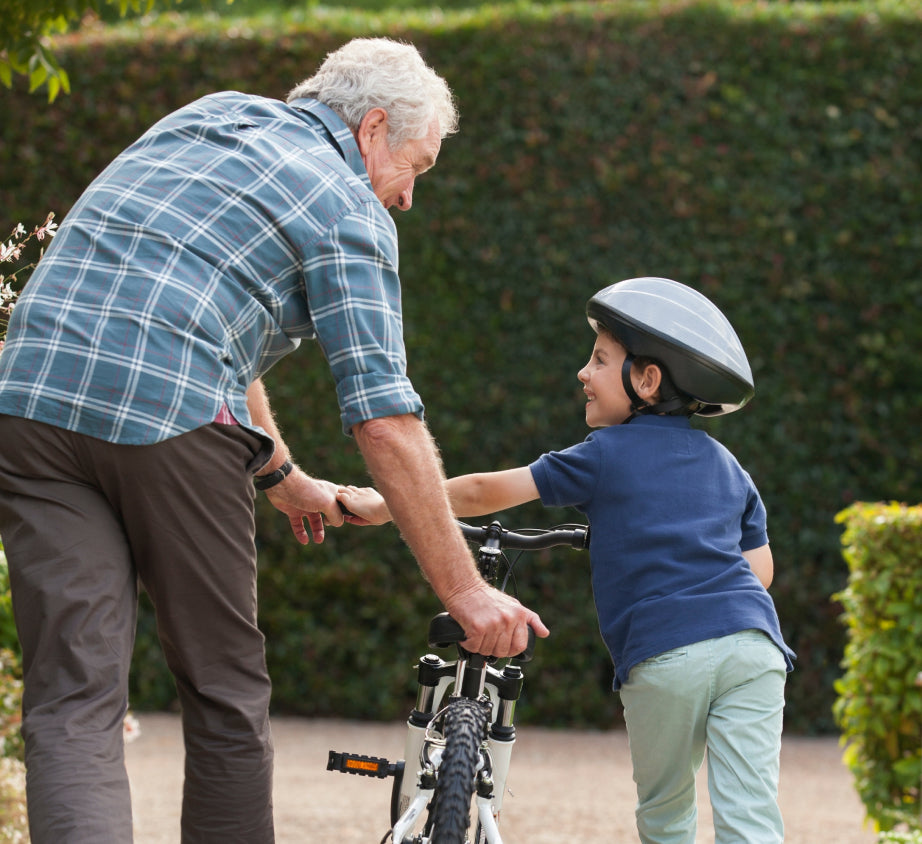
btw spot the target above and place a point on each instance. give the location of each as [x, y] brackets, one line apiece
[638, 405]
[678, 404]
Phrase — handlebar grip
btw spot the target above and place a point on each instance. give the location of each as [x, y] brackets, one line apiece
[529, 651]
[445, 631]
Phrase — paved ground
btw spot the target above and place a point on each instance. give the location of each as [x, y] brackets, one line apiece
[572, 786]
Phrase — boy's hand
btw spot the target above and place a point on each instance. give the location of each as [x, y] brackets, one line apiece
[365, 504]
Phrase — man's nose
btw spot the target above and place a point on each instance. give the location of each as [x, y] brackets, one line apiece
[405, 200]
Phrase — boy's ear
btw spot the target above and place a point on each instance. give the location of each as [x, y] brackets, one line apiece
[650, 380]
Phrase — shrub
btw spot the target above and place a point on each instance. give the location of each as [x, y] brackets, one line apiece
[13, 821]
[879, 705]
[9, 641]
[10, 705]
[900, 837]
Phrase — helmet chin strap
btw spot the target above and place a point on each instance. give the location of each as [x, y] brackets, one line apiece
[638, 405]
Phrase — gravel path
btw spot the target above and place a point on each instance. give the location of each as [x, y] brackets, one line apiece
[567, 785]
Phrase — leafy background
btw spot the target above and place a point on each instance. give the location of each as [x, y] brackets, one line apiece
[767, 154]
[879, 704]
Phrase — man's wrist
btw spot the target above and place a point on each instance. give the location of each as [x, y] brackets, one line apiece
[264, 482]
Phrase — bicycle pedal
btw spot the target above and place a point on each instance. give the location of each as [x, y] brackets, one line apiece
[363, 766]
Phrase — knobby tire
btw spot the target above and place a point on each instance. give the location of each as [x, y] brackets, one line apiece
[465, 729]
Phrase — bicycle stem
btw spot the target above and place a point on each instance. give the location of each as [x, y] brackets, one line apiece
[470, 674]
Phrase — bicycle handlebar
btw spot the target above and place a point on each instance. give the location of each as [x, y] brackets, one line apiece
[445, 630]
[576, 537]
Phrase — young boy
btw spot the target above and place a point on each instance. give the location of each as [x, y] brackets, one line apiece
[680, 558]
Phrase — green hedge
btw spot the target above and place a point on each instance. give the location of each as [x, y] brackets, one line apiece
[879, 704]
[11, 745]
[767, 154]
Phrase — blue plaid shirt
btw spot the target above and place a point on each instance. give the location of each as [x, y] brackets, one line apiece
[203, 254]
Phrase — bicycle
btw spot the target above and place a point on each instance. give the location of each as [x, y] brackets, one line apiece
[461, 731]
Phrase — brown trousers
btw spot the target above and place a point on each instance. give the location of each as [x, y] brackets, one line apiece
[83, 522]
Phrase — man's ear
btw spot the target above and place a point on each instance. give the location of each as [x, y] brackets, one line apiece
[372, 130]
[650, 380]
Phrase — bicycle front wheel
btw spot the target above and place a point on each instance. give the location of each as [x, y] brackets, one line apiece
[465, 731]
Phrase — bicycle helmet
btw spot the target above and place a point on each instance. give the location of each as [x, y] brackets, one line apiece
[683, 332]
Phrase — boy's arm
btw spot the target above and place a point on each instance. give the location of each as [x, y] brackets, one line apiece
[762, 564]
[469, 495]
[489, 492]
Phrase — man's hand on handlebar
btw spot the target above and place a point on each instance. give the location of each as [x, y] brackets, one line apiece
[496, 624]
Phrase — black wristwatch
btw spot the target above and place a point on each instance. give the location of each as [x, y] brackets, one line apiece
[263, 482]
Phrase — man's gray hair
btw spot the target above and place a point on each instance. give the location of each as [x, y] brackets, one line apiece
[369, 73]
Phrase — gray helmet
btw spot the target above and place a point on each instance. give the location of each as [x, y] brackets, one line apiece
[683, 331]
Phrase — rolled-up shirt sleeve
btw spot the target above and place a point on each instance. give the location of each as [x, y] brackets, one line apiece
[354, 297]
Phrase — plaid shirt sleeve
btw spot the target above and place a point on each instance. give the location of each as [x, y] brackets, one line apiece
[355, 303]
[205, 252]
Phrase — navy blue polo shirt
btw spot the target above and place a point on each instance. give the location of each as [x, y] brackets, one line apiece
[671, 512]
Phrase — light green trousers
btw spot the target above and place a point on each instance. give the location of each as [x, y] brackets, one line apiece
[723, 697]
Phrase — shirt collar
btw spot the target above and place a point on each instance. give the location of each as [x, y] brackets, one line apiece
[338, 131]
[662, 421]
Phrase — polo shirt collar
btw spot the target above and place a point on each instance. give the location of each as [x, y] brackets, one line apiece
[661, 421]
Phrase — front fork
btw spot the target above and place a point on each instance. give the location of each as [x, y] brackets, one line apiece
[473, 676]
[414, 780]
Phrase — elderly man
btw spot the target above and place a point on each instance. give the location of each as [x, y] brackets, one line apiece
[133, 418]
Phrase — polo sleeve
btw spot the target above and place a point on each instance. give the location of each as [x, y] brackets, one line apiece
[354, 298]
[754, 530]
[568, 478]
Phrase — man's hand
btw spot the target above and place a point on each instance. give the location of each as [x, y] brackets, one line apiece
[496, 624]
[302, 497]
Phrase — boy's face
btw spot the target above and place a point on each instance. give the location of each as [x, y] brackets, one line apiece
[608, 403]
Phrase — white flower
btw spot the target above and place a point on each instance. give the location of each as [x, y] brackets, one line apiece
[9, 251]
[131, 729]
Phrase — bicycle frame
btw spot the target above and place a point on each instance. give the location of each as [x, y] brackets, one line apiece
[441, 685]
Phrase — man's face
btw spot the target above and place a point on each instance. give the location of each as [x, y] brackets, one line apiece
[393, 172]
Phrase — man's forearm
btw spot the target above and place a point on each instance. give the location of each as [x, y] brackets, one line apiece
[261, 415]
[406, 469]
